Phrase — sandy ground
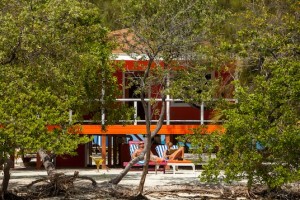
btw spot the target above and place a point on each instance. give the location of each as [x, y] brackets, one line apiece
[184, 177]
[183, 185]
[21, 175]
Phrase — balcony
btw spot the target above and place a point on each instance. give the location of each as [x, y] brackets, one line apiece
[167, 121]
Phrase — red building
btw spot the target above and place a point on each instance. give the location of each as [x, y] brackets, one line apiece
[180, 118]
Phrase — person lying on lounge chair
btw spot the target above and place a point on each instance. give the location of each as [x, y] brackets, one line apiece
[173, 154]
[138, 152]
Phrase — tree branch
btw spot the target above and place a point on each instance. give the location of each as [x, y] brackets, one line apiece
[13, 53]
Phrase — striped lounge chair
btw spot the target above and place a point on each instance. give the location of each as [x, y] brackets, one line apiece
[153, 166]
[174, 163]
[160, 149]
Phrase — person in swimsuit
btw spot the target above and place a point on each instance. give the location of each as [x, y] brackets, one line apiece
[173, 154]
[140, 149]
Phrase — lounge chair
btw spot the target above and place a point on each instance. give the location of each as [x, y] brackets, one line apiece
[152, 166]
[174, 163]
[160, 149]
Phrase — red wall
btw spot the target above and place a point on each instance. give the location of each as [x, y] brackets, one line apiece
[187, 113]
[72, 161]
[119, 76]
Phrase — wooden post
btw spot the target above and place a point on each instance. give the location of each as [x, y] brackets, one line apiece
[103, 152]
[39, 162]
[90, 151]
[168, 138]
[115, 147]
[12, 158]
[109, 151]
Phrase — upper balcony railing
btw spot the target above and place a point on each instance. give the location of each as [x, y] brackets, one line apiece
[167, 119]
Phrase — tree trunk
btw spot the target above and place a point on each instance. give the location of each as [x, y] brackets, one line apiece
[123, 173]
[7, 165]
[150, 134]
[148, 119]
[147, 150]
[46, 159]
[145, 168]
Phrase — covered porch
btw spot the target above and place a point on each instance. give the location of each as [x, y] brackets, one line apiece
[113, 146]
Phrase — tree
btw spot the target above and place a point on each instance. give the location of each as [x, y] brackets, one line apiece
[164, 33]
[54, 57]
[261, 142]
[111, 12]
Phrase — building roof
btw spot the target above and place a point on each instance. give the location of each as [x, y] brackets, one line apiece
[121, 37]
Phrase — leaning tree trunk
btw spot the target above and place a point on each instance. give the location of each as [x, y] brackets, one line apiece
[150, 135]
[122, 174]
[116, 180]
[148, 123]
[46, 159]
[6, 175]
[145, 168]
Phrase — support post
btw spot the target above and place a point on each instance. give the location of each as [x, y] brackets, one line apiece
[168, 103]
[12, 158]
[135, 112]
[202, 113]
[109, 151]
[168, 138]
[115, 147]
[39, 162]
[103, 151]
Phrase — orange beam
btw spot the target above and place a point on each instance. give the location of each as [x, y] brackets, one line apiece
[141, 129]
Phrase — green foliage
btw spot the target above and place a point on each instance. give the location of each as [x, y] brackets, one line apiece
[202, 142]
[192, 86]
[54, 57]
[111, 12]
[170, 27]
[259, 39]
[267, 115]
[264, 44]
